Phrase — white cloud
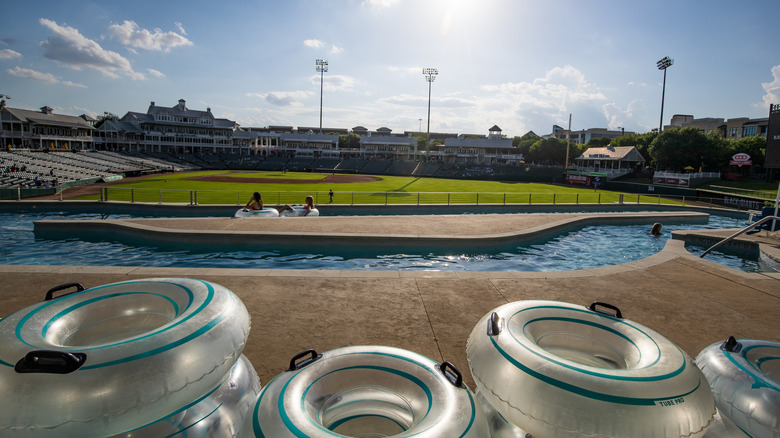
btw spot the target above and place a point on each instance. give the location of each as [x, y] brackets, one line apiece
[129, 34]
[9, 54]
[32, 74]
[73, 84]
[618, 117]
[406, 70]
[319, 44]
[155, 73]
[772, 89]
[381, 3]
[283, 98]
[41, 77]
[180, 27]
[334, 82]
[314, 44]
[69, 47]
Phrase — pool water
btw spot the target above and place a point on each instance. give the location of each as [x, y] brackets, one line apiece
[588, 247]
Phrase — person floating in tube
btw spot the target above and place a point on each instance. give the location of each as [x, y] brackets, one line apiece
[306, 208]
[256, 203]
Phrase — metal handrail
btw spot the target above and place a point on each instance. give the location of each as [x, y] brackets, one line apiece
[742, 231]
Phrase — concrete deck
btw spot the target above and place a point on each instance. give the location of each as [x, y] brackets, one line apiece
[691, 301]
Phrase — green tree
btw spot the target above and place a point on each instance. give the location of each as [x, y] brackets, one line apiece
[349, 141]
[676, 149]
[552, 151]
[523, 144]
[754, 146]
[105, 116]
[599, 142]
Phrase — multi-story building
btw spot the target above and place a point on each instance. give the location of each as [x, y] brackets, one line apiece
[733, 129]
[179, 130]
[490, 150]
[21, 128]
[383, 144]
[583, 136]
[174, 130]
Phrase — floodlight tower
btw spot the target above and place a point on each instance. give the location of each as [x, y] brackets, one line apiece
[663, 64]
[322, 67]
[430, 76]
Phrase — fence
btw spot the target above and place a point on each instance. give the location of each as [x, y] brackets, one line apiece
[206, 197]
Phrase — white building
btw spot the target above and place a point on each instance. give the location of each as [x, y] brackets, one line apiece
[173, 130]
[20, 128]
[614, 161]
[583, 136]
[489, 150]
[382, 144]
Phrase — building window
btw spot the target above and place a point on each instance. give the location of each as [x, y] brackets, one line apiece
[747, 131]
[733, 132]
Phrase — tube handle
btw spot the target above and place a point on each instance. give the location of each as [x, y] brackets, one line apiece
[49, 361]
[617, 313]
[451, 373]
[494, 324]
[50, 294]
[731, 345]
[295, 365]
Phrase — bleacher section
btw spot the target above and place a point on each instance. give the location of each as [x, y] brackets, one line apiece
[428, 168]
[352, 165]
[376, 167]
[326, 164]
[25, 168]
[274, 163]
[402, 168]
[300, 164]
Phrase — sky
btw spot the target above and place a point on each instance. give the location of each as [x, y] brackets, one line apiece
[522, 65]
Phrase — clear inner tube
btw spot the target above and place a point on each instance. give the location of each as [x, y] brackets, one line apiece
[562, 370]
[145, 348]
[367, 392]
[744, 376]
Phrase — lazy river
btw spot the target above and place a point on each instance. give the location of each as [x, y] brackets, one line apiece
[587, 247]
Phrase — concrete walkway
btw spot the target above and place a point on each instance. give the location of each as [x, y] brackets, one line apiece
[691, 301]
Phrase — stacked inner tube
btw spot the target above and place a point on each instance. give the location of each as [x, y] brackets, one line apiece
[555, 369]
[140, 357]
[366, 391]
[744, 376]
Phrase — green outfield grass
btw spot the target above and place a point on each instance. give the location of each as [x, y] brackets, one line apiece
[292, 187]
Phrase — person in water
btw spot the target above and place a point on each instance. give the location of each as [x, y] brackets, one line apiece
[656, 230]
[256, 203]
[306, 208]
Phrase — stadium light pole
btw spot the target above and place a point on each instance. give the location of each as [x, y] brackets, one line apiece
[430, 76]
[663, 64]
[322, 67]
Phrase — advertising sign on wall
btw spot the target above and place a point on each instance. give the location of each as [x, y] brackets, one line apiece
[678, 182]
[578, 179]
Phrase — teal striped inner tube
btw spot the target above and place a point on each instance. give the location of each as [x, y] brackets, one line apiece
[367, 391]
[146, 348]
[561, 369]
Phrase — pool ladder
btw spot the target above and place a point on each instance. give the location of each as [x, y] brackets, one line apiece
[742, 231]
